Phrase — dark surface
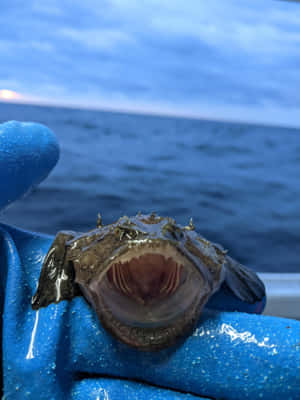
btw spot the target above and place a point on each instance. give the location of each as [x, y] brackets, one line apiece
[239, 182]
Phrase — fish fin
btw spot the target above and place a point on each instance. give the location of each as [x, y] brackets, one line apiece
[56, 281]
[243, 282]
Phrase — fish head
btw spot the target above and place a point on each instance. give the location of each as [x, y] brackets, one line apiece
[147, 278]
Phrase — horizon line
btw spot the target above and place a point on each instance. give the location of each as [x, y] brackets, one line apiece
[142, 112]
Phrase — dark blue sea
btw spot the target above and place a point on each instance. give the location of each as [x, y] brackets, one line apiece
[239, 182]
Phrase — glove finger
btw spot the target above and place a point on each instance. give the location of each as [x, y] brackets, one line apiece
[28, 152]
[116, 389]
[229, 355]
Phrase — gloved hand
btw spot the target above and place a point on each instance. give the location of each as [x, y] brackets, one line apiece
[62, 351]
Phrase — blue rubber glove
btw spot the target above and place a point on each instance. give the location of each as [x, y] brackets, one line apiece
[62, 351]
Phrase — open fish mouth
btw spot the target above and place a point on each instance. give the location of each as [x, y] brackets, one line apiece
[147, 274]
[148, 286]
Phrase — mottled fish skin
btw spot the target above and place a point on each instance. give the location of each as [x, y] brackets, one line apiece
[96, 264]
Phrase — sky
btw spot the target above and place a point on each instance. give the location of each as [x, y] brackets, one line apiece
[234, 60]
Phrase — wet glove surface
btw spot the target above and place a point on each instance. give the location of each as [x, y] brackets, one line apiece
[62, 352]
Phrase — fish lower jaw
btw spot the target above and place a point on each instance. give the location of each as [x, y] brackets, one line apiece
[151, 338]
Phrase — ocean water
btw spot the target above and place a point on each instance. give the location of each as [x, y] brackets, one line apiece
[239, 182]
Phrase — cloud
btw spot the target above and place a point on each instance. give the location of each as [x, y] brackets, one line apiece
[96, 39]
[156, 54]
[48, 9]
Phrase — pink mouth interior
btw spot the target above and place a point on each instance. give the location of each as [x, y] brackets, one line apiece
[146, 278]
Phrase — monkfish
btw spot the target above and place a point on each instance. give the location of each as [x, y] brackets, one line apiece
[147, 277]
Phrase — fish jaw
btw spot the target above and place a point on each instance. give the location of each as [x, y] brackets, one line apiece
[149, 294]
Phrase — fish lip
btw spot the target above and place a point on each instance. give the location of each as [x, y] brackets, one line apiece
[154, 338]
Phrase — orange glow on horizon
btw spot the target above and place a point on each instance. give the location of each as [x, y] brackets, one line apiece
[6, 94]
